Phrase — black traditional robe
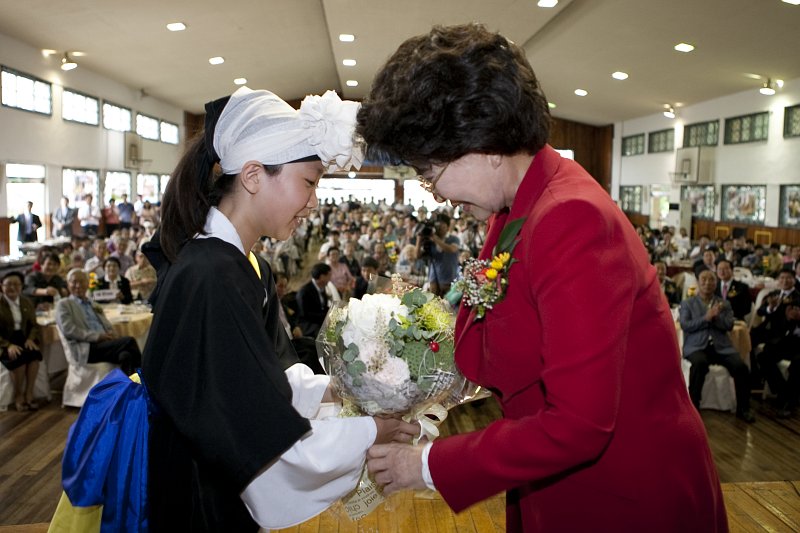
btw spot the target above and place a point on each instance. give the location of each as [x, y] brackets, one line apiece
[213, 367]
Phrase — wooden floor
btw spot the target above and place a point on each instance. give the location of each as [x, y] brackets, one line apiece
[759, 465]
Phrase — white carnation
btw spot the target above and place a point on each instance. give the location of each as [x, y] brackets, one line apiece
[394, 372]
[369, 317]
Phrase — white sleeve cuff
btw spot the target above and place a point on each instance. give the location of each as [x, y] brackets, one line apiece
[426, 471]
[307, 389]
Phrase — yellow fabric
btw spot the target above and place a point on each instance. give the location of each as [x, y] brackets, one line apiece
[254, 262]
[69, 519]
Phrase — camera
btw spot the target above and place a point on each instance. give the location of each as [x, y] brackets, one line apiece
[426, 242]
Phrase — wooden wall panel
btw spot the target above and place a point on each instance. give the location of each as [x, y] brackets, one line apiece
[593, 146]
[760, 234]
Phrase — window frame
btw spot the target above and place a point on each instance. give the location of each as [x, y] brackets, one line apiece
[659, 132]
[788, 111]
[136, 128]
[643, 144]
[113, 104]
[687, 128]
[79, 93]
[161, 132]
[19, 73]
[729, 122]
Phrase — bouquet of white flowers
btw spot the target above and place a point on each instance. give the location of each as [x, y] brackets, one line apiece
[391, 353]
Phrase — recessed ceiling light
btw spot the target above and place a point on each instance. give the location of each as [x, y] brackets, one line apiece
[352, 83]
[240, 81]
[547, 3]
[581, 92]
[47, 52]
[684, 47]
[619, 75]
[77, 53]
[349, 62]
[346, 37]
[551, 105]
[779, 83]
[176, 26]
[793, 2]
[216, 60]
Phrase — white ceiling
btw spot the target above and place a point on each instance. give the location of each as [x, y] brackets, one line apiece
[291, 46]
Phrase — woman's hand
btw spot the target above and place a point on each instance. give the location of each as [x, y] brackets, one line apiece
[14, 351]
[396, 467]
[394, 430]
[31, 345]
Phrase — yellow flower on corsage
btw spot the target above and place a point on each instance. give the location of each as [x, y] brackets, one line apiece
[483, 282]
[732, 293]
[92, 281]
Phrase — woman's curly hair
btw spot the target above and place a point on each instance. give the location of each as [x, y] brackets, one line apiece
[456, 90]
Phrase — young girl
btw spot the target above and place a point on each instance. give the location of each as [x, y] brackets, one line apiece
[232, 446]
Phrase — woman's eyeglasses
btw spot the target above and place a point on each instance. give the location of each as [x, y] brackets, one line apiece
[429, 184]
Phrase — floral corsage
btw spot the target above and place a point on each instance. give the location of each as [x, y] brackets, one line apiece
[484, 282]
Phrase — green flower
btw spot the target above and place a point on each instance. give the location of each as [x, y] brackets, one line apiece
[434, 317]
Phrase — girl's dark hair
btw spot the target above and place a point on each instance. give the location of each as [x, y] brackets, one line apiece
[456, 90]
[112, 259]
[51, 256]
[195, 185]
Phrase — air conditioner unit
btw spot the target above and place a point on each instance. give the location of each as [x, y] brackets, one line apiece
[694, 164]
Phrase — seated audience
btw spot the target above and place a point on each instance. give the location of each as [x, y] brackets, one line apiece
[735, 292]
[20, 339]
[113, 280]
[784, 345]
[755, 261]
[707, 262]
[341, 277]
[772, 308]
[46, 286]
[668, 287]
[706, 320]
[304, 346]
[774, 260]
[95, 263]
[312, 300]
[369, 270]
[142, 277]
[89, 333]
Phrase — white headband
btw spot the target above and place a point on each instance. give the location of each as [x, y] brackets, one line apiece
[259, 126]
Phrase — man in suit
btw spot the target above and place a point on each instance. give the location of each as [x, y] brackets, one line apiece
[63, 218]
[734, 292]
[312, 300]
[706, 320]
[28, 223]
[772, 308]
[784, 345]
[304, 346]
[89, 333]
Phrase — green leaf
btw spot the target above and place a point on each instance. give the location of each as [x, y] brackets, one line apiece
[415, 298]
[356, 368]
[508, 237]
[351, 353]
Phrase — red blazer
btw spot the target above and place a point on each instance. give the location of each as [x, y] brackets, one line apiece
[598, 432]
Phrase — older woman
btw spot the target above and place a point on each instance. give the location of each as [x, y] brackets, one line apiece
[46, 286]
[19, 340]
[598, 432]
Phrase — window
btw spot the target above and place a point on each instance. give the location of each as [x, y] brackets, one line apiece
[169, 132]
[748, 128]
[702, 200]
[116, 118]
[791, 121]
[701, 134]
[661, 141]
[630, 198]
[24, 183]
[117, 184]
[744, 203]
[633, 145]
[164, 181]
[147, 127]
[77, 107]
[78, 182]
[26, 92]
[147, 186]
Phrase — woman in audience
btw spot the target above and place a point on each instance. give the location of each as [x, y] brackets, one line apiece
[142, 276]
[341, 277]
[20, 338]
[233, 447]
[598, 432]
[46, 286]
[112, 280]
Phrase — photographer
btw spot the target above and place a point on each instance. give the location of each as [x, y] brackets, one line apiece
[440, 251]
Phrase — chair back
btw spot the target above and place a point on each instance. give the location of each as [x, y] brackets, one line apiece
[743, 274]
[80, 378]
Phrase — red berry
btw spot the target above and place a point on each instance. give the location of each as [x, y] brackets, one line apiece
[434, 346]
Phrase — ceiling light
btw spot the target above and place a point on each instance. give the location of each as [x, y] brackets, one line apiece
[216, 60]
[793, 2]
[779, 83]
[176, 26]
[620, 75]
[76, 53]
[581, 92]
[240, 81]
[351, 174]
[547, 3]
[346, 37]
[67, 63]
[684, 47]
[669, 111]
[352, 83]
[47, 52]
[551, 105]
[349, 62]
[767, 89]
